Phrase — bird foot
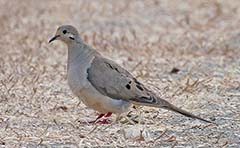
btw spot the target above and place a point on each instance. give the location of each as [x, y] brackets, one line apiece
[104, 121]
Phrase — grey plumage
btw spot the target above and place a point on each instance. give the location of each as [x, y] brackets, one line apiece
[101, 83]
[115, 82]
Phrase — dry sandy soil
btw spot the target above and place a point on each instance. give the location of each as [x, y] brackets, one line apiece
[185, 50]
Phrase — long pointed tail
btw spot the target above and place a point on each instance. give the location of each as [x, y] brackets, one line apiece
[166, 105]
[185, 113]
[161, 103]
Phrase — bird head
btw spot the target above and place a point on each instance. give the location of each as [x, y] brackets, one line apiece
[66, 33]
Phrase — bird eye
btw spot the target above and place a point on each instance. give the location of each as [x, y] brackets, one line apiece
[64, 31]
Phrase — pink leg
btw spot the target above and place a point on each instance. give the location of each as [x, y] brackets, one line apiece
[108, 114]
[99, 116]
[104, 121]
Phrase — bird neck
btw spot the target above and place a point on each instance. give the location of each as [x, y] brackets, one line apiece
[79, 52]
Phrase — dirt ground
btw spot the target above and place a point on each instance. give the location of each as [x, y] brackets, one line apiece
[185, 50]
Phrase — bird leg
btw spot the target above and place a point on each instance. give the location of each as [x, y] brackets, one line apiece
[99, 116]
[108, 114]
[104, 121]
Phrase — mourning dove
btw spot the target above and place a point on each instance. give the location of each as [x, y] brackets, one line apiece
[102, 84]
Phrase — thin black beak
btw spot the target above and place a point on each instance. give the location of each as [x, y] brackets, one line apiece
[54, 38]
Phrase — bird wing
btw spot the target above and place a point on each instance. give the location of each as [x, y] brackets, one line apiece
[113, 81]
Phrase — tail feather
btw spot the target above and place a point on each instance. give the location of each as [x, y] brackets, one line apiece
[185, 113]
[166, 105]
[161, 103]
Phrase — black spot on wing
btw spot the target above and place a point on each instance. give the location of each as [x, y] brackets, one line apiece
[116, 69]
[144, 99]
[128, 86]
[136, 81]
[109, 65]
[112, 67]
[139, 87]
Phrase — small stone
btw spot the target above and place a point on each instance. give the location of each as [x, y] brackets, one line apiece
[137, 132]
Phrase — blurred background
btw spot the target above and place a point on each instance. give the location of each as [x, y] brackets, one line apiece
[185, 50]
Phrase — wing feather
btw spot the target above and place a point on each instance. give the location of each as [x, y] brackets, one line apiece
[112, 80]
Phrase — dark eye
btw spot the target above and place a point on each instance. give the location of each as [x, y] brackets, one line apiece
[64, 31]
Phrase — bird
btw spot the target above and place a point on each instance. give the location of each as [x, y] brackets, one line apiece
[102, 84]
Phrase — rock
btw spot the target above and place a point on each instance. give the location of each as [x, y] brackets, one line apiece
[137, 132]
